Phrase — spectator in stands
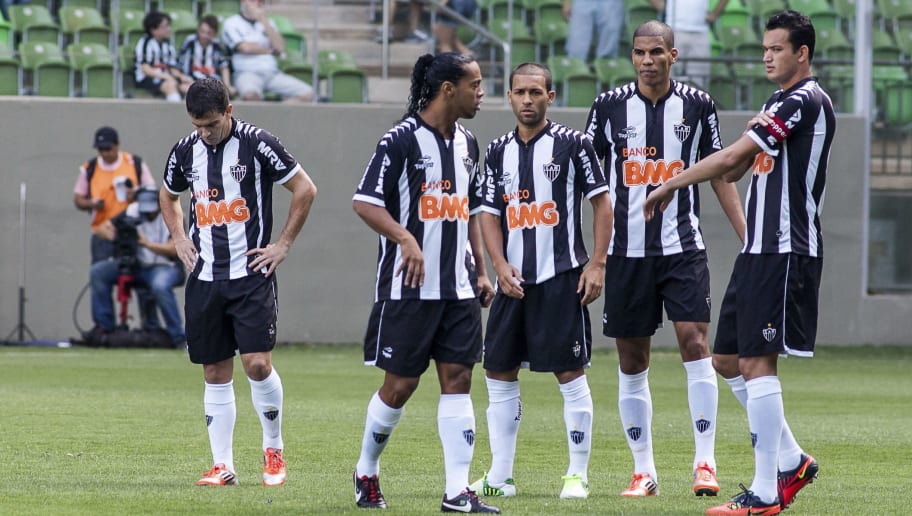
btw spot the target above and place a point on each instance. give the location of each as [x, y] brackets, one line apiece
[445, 28]
[202, 54]
[415, 35]
[691, 20]
[606, 17]
[255, 43]
[156, 60]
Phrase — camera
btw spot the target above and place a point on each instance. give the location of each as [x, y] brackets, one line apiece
[126, 244]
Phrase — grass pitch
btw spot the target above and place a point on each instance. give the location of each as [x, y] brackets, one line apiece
[87, 431]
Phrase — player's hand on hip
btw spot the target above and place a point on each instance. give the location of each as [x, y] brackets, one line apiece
[510, 281]
[485, 291]
[660, 197]
[186, 251]
[590, 283]
[412, 263]
[268, 257]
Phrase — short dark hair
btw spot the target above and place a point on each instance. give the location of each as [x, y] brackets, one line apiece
[429, 73]
[154, 19]
[212, 21]
[530, 68]
[801, 30]
[654, 28]
[207, 96]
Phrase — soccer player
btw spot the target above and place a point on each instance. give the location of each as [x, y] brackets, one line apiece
[647, 132]
[421, 193]
[535, 179]
[770, 306]
[230, 166]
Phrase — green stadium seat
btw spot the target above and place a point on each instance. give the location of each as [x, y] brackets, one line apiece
[753, 87]
[902, 31]
[143, 6]
[551, 35]
[845, 11]
[834, 45]
[50, 73]
[883, 47]
[522, 44]
[819, 11]
[131, 27]
[223, 7]
[296, 65]
[840, 82]
[723, 86]
[92, 70]
[544, 10]
[636, 15]
[733, 36]
[183, 24]
[294, 39]
[733, 16]
[84, 25]
[9, 71]
[34, 23]
[614, 71]
[575, 83]
[893, 95]
[125, 82]
[177, 5]
[347, 85]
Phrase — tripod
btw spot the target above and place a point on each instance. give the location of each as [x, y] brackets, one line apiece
[124, 287]
[21, 328]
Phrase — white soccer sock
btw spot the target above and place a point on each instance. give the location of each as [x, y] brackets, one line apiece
[765, 412]
[173, 97]
[635, 408]
[267, 396]
[739, 390]
[379, 424]
[789, 449]
[703, 399]
[221, 413]
[504, 414]
[456, 426]
[578, 418]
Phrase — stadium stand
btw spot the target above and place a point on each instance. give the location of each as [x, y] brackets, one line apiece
[46, 67]
[84, 25]
[575, 83]
[614, 71]
[34, 23]
[9, 71]
[130, 27]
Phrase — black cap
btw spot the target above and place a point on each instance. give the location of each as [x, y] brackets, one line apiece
[105, 138]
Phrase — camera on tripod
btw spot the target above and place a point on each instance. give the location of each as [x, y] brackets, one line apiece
[126, 243]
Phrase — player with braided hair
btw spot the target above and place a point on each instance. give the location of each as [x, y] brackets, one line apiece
[421, 192]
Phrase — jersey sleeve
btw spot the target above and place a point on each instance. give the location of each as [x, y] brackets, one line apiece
[589, 172]
[277, 163]
[711, 138]
[492, 188]
[185, 58]
[595, 131]
[787, 117]
[374, 183]
[175, 181]
[476, 178]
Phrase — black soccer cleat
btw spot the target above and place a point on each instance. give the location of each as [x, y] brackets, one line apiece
[467, 501]
[367, 492]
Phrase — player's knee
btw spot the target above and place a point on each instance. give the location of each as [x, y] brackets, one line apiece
[726, 365]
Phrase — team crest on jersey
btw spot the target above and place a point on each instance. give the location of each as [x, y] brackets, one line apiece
[238, 172]
[628, 132]
[551, 170]
[769, 333]
[424, 163]
[469, 163]
[682, 131]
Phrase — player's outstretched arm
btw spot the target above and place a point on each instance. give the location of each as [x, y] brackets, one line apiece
[714, 165]
[303, 191]
[380, 220]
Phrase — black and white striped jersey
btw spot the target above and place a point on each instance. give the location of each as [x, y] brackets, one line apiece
[785, 198]
[231, 195]
[157, 54]
[200, 62]
[430, 186]
[643, 145]
[536, 189]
